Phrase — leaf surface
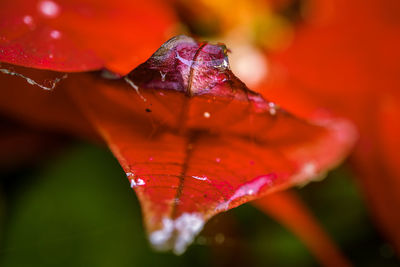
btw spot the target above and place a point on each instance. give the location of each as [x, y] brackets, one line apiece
[195, 141]
[67, 35]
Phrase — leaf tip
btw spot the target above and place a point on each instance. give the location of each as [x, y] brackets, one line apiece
[177, 234]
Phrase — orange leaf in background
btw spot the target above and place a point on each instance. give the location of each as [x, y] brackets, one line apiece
[345, 58]
[195, 141]
[67, 35]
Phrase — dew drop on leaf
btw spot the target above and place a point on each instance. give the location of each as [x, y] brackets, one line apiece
[49, 8]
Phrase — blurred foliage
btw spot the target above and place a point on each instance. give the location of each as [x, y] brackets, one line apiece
[78, 210]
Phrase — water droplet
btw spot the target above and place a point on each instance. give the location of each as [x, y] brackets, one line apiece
[181, 231]
[134, 86]
[138, 182]
[201, 178]
[207, 115]
[49, 8]
[309, 169]
[52, 83]
[51, 56]
[221, 77]
[218, 160]
[189, 63]
[272, 108]
[151, 159]
[160, 237]
[28, 20]
[248, 189]
[308, 173]
[162, 76]
[221, 64]
[135, 182]
[55, 34]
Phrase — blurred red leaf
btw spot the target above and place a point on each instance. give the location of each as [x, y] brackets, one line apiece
[50, 110]
[345, 58]
[69, 35]
[195, 141]
[288, 209]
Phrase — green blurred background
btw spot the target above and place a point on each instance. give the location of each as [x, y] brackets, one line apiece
[77, 209]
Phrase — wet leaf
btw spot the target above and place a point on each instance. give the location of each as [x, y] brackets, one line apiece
[85, 35]
[70, 213]
[195, 141]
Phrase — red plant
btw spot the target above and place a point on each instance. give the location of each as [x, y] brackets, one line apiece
[191, 137]
[338, 57]
[354, 46]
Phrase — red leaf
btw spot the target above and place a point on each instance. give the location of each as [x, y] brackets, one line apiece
[195, 141]
[289, 210]
[70, 35]
[346, 58]
[378, 166]
[23, 100]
